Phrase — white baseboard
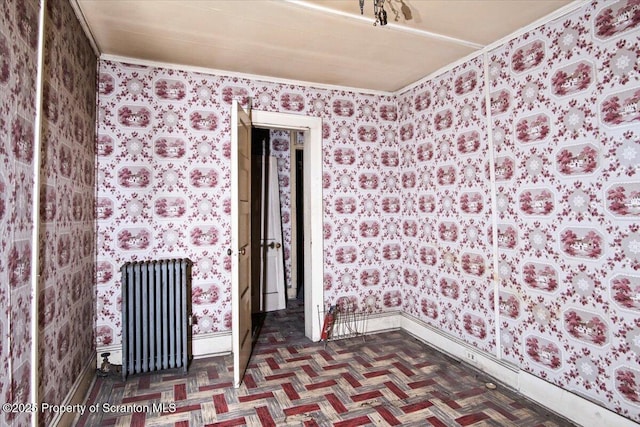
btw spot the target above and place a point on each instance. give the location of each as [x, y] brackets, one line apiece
[215, 344]
[204, 345]
[76, 395]
[563, 402]
[381, 322]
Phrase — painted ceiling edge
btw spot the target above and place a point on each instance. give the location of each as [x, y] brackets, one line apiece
[224, 73]
[557, 14]
[391, 25]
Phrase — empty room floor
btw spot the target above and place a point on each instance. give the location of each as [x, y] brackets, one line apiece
[385, 379]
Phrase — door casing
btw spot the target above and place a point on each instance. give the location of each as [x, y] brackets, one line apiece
[313, 250]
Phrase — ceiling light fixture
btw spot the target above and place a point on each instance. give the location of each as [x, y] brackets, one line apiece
[378, 12]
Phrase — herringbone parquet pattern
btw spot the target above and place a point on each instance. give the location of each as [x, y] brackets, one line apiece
[389, 379]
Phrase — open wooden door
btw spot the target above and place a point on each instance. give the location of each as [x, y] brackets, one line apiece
[240, 240]
[272, 287]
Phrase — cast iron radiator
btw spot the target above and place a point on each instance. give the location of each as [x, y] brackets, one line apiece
[156, 305]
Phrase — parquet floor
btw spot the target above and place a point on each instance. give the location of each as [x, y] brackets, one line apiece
[387, 379]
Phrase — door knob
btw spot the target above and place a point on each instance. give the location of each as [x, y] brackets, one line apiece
[273, 245]
[241, 251]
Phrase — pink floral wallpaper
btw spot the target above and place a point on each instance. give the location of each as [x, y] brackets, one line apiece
[572, 127]
[67, 305]
[67, 212]
[18, 56]
[163, 182]
[447, 259]
[408, 194]
[565, 126]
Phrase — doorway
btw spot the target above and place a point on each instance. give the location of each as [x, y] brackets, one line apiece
[277, 285]
[313, 258]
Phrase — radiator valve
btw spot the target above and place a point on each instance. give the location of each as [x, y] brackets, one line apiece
[106, 368]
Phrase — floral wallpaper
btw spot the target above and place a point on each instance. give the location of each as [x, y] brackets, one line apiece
[571, 127]
[67, 213]
[67, 305]
[447, 259]
[362, 238]
[408, 193]
[565, 127]
[164, 186]
[18, 57]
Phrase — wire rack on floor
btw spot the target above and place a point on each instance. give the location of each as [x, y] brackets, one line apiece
[341, 320]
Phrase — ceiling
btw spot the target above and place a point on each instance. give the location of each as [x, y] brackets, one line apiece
[325, 42]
